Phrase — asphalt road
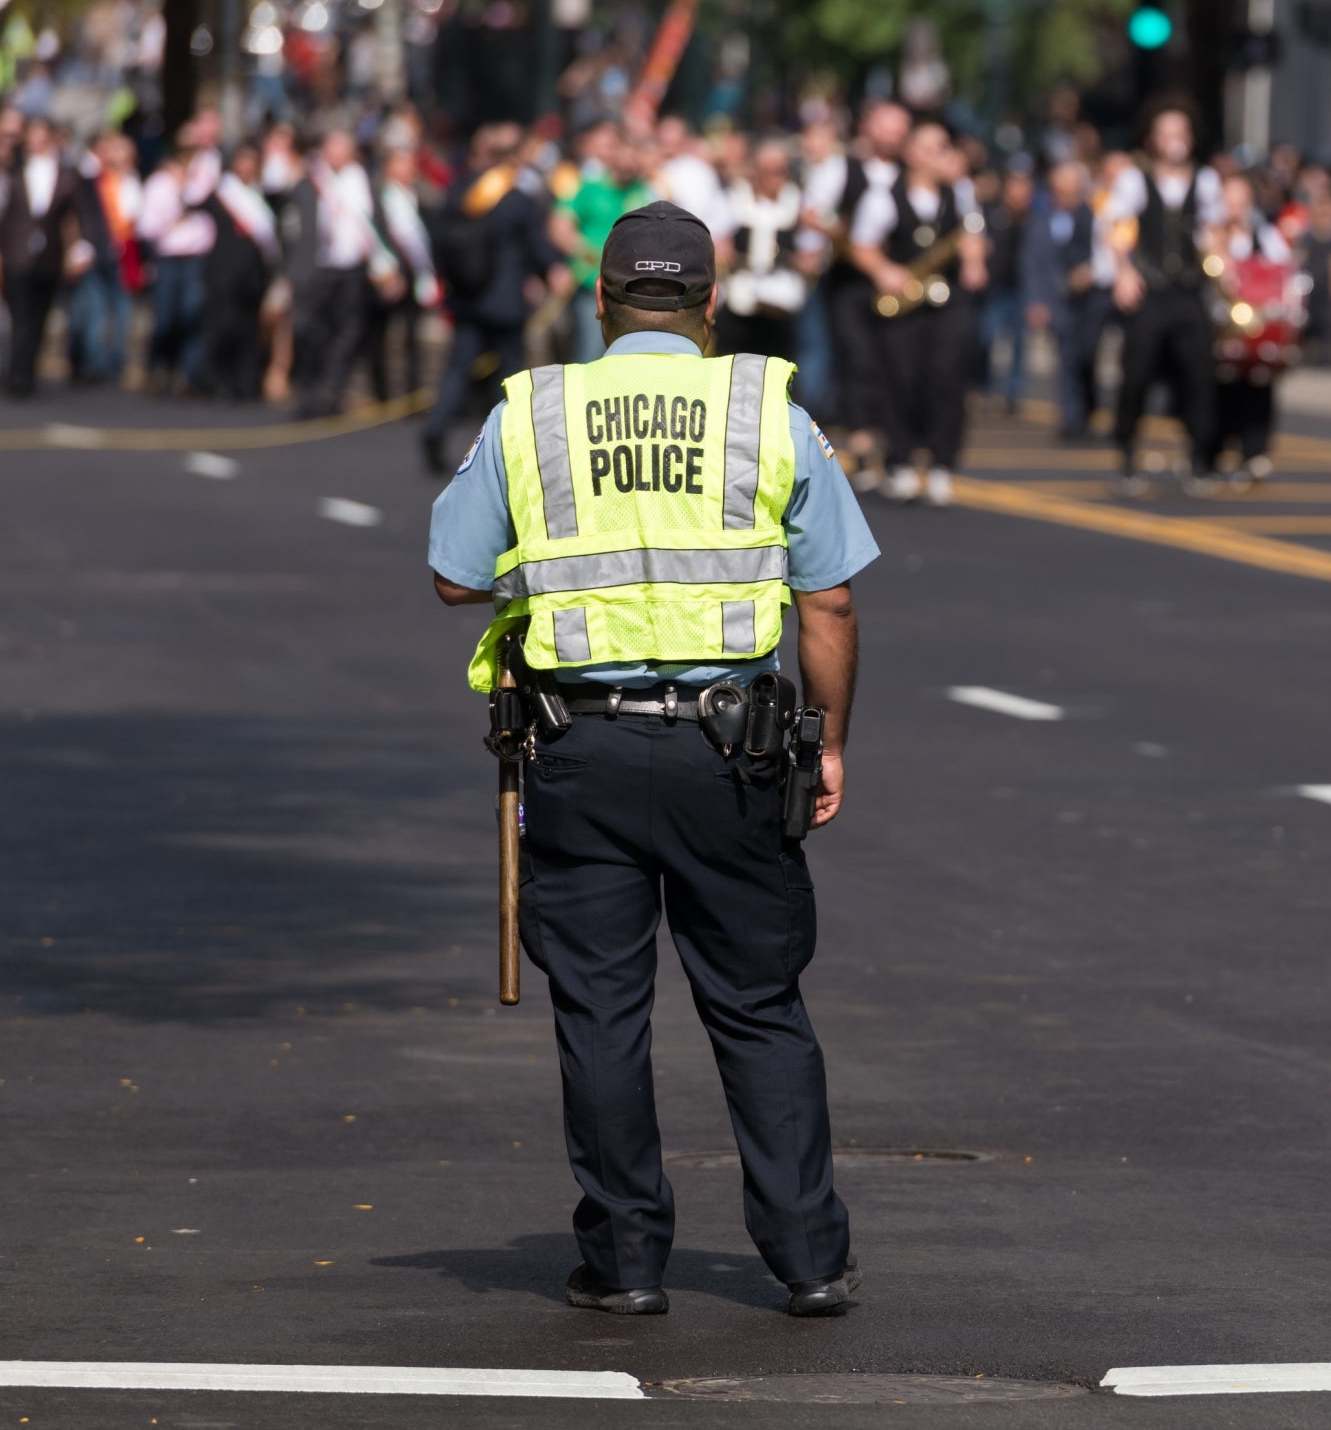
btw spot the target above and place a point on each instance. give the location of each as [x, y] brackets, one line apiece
[258, 1103]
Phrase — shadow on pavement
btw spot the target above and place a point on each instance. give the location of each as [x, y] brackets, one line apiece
[203, 868]
[539, 1264]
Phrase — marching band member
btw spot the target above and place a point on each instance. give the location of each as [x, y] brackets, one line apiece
[925, 352]
[1246, 405]
[1159, 207]
[764, 291]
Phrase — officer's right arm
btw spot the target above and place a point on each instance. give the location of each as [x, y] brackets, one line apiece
[829, 543]
[453, 595]
[469, 526]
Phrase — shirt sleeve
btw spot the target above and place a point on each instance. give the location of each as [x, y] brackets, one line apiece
[1127, 198]
[829, 538]
[875, 217]
[1210, 198]
[1272, 245]
[470, 526]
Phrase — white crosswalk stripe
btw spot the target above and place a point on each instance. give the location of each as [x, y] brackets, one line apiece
[1218, 1379]
[321, 1379]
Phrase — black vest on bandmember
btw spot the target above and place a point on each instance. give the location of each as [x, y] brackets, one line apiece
[1166, 242]
[913, 236]
[841, 272]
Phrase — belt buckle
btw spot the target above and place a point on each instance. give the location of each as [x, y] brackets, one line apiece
[613, 701]
[671, 703]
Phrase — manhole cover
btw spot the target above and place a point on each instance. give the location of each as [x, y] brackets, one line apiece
[844, 1156]
[864, 1389]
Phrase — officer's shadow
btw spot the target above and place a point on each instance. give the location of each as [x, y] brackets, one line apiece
[539, 1263]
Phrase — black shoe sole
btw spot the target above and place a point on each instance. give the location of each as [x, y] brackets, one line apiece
[620, 1303]
[840, 1294]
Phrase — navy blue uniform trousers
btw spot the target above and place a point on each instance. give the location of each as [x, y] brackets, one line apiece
[625, 817]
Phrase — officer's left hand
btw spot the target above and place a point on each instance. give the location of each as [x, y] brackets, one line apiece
[827, 802]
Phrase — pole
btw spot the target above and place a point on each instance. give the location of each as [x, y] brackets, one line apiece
[233, 105]
[1257, 83]
[390, 61]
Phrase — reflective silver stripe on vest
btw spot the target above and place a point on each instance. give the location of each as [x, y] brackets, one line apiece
[744, 417]
[632, 568]
[738, 626]
[551, 428]
[572, 643]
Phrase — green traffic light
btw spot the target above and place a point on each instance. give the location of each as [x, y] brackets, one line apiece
[1150, 28]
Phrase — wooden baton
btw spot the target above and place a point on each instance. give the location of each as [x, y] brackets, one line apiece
[509, 960]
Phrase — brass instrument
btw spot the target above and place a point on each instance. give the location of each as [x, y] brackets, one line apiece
[927, 284]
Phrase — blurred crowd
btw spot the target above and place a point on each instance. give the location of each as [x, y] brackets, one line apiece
[898, 263]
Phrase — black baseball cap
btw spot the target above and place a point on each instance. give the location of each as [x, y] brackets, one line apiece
[661, 244]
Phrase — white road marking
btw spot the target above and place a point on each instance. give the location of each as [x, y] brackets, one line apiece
[1318, 792]
[211, 464]
[349, 513]
[323, 1379]
[1217, 1379]
[1150, 750]
[999, 701]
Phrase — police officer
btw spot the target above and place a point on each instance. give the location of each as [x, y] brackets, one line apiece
[642, 520]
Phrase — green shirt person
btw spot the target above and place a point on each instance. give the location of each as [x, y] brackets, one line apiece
[580, 226]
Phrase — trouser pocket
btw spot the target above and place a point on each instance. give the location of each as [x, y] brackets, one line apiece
[801, 910]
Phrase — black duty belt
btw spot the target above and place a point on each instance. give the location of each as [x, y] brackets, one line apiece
[754, 718]
[668, 702]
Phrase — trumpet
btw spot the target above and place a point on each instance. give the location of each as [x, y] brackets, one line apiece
[927, 284]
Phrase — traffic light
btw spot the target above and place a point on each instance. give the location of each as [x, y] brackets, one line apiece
[1149, 27]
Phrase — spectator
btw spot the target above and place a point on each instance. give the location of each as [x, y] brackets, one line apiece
[490, 246]
[280, 167]
[237, 270]
[37, 237]
[109, 201]
[398, 217]
[1057, 283]
[689, 180]
[1003, 317]
[825, 170]
[580, 225]
[342, 250]
[180, 234]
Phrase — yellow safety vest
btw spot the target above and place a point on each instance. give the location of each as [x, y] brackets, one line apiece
[647, 494]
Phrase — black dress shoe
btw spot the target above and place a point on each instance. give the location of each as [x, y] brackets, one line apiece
[826, 1295]
[584, 1290]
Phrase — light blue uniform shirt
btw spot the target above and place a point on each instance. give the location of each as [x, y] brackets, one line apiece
[829, 539]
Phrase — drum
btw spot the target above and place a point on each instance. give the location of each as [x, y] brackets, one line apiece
[1260, 320]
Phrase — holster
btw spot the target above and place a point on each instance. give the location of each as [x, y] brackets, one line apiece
[772, 701]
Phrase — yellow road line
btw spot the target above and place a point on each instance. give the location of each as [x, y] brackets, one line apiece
[1275, 493]
[1278, 492]
[1280, 525]
[1288, 444]
[72, 437]
[1205, 538]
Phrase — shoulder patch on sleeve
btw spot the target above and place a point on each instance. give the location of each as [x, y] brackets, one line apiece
[829, 451]
[471, 452]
